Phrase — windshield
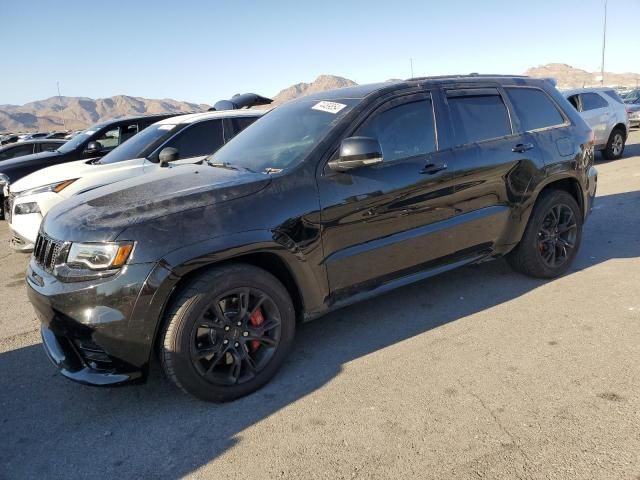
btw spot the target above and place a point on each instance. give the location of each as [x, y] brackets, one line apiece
[78, 140]
[283, 137]
[138, 145]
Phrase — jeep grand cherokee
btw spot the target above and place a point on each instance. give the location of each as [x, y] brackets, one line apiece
[325, 201]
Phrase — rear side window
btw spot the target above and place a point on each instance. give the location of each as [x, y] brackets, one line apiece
[48, 147]
[613, 95]
[592, 101]
[478, 117]
[403, 131]
[534, 108]
[240, 124]
[17, 152]
[199, 139]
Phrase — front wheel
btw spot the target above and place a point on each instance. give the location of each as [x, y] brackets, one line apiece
[552, 237]
[228, 333]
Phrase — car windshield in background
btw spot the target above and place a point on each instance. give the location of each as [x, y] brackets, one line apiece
[283, 137]
[78, 140]
[137, 145]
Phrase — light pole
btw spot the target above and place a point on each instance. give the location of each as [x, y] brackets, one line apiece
[604, 43]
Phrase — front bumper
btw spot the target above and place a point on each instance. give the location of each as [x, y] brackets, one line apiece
[99, 332]
[19, 243]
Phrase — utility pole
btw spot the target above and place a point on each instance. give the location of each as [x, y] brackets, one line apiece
[64, 124]
[411, 64]
[604, 43]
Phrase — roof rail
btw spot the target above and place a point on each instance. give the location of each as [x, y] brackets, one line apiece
[245, 100]
[468, 75]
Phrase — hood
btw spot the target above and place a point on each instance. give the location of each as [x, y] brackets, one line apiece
[103, 213]
[57, 173]
[7, 165]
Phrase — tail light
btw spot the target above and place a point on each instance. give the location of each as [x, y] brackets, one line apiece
[592, 138]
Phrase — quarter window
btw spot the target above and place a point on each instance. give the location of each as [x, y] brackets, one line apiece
[17, 152]
[199, 139]
[403, 131]
[478, 117]
[592, 101]
[534, 108]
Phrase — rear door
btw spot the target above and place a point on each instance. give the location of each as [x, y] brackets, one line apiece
[386, 221]
[595, 110]
[494, 163]
[18, 151]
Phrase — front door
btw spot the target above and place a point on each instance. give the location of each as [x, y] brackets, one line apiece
[385, 221]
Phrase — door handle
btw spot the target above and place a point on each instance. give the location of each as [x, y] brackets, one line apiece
[431, 168]
[522, 147]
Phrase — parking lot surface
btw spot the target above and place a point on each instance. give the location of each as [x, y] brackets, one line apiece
[478, 373]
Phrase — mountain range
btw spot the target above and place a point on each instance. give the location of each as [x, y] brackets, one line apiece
[73, 113]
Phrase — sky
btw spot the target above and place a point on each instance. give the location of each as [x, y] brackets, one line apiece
[203, 51]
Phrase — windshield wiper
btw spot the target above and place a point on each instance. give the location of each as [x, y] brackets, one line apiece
[228, 166]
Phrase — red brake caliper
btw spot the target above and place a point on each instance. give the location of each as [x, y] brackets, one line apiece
[256, 319]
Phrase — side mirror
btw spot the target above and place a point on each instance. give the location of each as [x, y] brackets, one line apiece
[168, 155]
[93, 147]
[356, 152]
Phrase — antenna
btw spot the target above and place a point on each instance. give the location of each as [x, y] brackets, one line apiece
[411, 64]
[64, 124]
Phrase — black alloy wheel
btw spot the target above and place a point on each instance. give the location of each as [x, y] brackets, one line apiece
[557, 235]
[236, 337]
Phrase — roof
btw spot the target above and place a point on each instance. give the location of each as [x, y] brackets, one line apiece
[196, 117]
[573, 91]
[128, 119]
[361, 91]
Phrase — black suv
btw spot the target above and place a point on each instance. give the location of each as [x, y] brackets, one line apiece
[324, 201]
[94, 142]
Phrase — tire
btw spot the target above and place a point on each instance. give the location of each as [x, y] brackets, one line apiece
[193, 351]
[537, 245]
[615, 145]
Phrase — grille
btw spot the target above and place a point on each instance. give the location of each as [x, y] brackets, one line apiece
[46, 252]
[93, 354]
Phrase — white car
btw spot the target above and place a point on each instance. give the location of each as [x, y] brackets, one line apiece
[182, 139]
[605, 112]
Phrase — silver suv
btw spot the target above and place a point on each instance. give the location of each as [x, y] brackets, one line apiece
[605, 112]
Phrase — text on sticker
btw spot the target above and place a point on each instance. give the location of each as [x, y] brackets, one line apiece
[330, 107]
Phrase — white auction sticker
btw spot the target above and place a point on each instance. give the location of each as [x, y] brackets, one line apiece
[90, 132]
[330, 107]
[165, 127]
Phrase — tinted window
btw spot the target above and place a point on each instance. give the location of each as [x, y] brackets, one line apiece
[575, 101]
[47, 147]
[199, 139]
[127, 131]
[18, 151]
[478, 117]
[240, 124]
[613, 95]
[591, 101]
[534, 108]
[403, 131]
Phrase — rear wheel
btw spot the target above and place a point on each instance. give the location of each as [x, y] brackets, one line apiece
[228, 333]
[552, 237]
[615, 145]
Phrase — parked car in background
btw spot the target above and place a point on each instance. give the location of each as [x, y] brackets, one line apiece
[59, 135]
[605, 112]
[326, 200]
[32, 136]
[632, 96]
[175, 140]
[95, 142]
[19, 149]
[633, 111]
[6, 139]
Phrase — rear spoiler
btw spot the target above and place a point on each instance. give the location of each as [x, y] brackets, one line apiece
[245, 100]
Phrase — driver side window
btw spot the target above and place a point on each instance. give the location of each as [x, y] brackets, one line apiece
[406, 130]
[109, 139]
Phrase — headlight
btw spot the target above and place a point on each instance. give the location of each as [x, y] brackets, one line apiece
[25, 208]
[98, 256]
[52, 187]
[4, 180]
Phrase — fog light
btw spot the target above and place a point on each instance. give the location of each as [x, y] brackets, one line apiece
[25, 208]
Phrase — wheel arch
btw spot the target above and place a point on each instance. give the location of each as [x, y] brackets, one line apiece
[621, 126]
